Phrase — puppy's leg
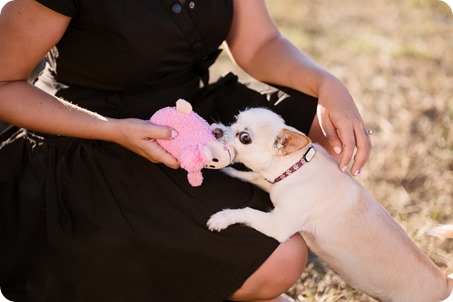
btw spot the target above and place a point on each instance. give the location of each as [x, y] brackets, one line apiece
[267, 223]
[248, 176]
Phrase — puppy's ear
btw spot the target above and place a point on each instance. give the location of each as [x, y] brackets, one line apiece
[288, 141]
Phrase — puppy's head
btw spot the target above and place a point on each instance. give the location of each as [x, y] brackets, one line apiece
[260, 137]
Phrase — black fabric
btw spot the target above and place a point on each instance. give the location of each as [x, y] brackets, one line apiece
[224, 99]
[90, 221]
[124, 45]
[85, 220]
[95, 222]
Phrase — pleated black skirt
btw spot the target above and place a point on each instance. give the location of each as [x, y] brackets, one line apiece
[86, 220]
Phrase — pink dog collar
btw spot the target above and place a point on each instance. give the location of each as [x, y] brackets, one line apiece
[305, 159]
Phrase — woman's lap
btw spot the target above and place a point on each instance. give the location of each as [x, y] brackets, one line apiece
[109, 221]
[88, 218]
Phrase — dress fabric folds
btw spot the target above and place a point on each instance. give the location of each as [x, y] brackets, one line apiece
[87, 220]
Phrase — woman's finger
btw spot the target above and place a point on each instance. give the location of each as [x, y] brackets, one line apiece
[363, 142]
[156, 154]
[330, 132]
[346, 135]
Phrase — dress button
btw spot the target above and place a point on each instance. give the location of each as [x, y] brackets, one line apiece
[191, 5]
[176, 8]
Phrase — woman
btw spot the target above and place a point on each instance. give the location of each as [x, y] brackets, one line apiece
[92, 209]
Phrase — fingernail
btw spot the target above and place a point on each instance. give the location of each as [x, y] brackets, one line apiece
[343, 169]
[174, 133]
[357, 172]
[337, 150]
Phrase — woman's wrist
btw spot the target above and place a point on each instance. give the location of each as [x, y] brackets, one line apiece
[332, 88]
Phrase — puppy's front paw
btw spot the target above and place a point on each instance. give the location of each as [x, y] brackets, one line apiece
[219, 221]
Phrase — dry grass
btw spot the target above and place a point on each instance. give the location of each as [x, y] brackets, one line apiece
[397, 59]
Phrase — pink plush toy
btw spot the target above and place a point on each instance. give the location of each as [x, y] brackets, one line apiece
[195, 146]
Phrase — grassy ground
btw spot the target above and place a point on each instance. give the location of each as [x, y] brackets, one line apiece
[397, 59]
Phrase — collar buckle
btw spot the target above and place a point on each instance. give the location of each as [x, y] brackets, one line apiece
[308, 156]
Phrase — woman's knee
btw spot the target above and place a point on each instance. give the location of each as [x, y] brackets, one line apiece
[278, 273]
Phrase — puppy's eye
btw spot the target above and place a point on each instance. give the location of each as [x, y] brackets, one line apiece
[244, 137]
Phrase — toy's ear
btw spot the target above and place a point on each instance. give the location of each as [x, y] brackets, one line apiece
[183, 106]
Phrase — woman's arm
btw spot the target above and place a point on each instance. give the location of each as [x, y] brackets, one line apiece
[258, 47]
[27, 31]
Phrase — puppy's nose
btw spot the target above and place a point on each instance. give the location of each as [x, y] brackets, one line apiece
[218, 133]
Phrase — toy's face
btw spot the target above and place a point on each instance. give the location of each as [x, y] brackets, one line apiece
[222, 155]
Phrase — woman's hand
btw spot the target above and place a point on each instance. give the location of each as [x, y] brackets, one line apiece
[140, 136]
[342, 125]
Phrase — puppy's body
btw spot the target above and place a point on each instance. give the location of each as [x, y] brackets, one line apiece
[336, 216]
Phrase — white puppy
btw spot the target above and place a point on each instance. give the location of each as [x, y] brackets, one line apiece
[337, 217]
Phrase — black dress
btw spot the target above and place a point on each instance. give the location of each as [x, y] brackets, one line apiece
[86, 220]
